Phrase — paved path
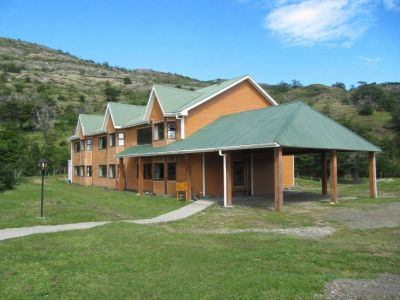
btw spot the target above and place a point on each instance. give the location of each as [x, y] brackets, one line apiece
[181, 213]
[178, 214]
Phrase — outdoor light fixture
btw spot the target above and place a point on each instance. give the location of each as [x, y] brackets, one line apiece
[43, 168]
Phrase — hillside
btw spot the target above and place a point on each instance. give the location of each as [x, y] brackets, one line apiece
[68, 85]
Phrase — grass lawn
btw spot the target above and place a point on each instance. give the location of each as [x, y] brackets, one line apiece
[182, 260]
[65, 203]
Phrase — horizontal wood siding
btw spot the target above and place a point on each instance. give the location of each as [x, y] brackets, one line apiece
[242, 97]
[214, 174]
[156, 114]
[263, 168]
[288, 171]
[196, 167]
[131, 173]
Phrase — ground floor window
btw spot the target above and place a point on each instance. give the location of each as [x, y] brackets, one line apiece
[111, 171]
[158, 171]
[81, 171]
[147, 171]
[171, 171]
[103, 171]
[89, 171]
[76, 171]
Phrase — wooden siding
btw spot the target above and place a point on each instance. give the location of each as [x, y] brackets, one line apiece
[288, 171]
[263, 173]
[156, 114]
[242, 97]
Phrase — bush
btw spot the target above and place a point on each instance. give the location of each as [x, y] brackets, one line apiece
[7, 178]
[127, 80]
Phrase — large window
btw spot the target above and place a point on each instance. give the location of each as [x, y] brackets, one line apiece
[171, 171]
[81, 171]
[89, 171]
[159, 131]
[103, 171]
[171, 130]
[111, 139]
[121, 139]
[144, 136]
[111, 171]
[158, 171]
[89, 145]
[77, 146]
[147, 171]
[102, 142]
[76, 171]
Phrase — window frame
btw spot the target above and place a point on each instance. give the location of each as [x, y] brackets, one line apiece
[111, 140]
[102, 138]
[114, 175]
[77, 146]
[120, 141]
[171, 131]
[76, 171]
[82, 145]
[89, 174]
[89, 144]
[158, 175]
[81, 171]
[102, 174]
[171, 178]
[149, 136]
[158, 135]
[148, 170]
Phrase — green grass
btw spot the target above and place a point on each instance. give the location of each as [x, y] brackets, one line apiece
[64, 203]
[180, 260]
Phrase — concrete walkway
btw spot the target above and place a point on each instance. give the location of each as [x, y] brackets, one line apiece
[178, 214]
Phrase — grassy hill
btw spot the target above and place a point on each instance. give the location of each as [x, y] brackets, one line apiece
[75, 85]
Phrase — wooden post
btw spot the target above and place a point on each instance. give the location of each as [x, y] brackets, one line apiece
[278, 184]
[188, 176]
[165, 175]
[140, 177]
[324, 174]
[373, 191]
[333, 176]
[229, 185]
[121, 174]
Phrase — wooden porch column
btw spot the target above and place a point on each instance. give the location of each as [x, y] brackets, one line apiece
[333, 176]
[229, 177]
[188, 175]
[324, 174]
[121, 174]
[278, 182]
[165, 175]
[140, 177]
[373, 191]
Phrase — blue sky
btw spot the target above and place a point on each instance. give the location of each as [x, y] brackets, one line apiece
[314, 41]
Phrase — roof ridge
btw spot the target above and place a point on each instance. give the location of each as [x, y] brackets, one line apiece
[174, 88]
[126, 104]
[289, 121]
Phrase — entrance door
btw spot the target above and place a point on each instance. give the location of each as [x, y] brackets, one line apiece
[239, 176]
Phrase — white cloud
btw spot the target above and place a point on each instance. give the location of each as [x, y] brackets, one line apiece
[392, 4]
[370, 60]
[313, 21]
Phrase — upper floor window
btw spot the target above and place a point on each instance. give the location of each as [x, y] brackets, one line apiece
[77, 146]
[111, 139]
[82, 146]
[89, 145]
[159, 131]
[171, 130]
[144, 136]
[102, 142]
[121, 139]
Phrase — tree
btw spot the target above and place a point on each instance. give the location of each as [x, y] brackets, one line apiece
[296, 84]
[111, 93]
[339, 85]
[367, 97]
[127, 80]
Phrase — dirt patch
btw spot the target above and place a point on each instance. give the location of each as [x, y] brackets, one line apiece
[388, 215]
[385, 286]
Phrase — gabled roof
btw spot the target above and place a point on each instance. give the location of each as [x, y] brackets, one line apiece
[124, 114]
[90, 123]
[180, 101]
[294, 125]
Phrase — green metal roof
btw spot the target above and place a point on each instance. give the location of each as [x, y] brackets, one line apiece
[91, 123]
[174, 100]
[291, 125]
[124, 114]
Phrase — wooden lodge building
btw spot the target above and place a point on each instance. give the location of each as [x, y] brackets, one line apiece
[223, 140]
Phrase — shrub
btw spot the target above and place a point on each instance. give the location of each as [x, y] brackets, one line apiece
[127, 80]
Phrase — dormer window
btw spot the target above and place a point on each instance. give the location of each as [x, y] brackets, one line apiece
[171, 130]
[159, 131]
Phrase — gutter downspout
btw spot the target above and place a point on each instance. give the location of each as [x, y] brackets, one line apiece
[225, 190]
[182, 118]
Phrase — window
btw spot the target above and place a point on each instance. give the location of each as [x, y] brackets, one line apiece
[159, 131]
[103, 171]
[171, 130]
[121, 139]
[77, 147]
[102, 142]
[82, 171]
[89, 171]
[111, 140]
[82, 145]
[147, 172]
[158, 171]
[171, 171]
[89, 145]
[144, 136]
[111, 171]
[76, 171]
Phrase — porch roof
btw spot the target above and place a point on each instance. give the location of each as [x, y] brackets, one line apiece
[294, 125]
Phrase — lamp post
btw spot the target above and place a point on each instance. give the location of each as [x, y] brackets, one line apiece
[42, 167]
